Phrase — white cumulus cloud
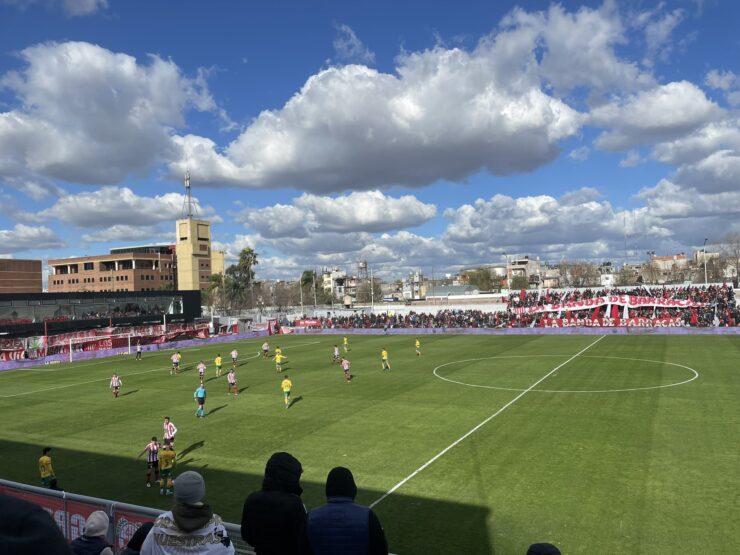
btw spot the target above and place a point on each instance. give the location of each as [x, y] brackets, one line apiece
[444, 114]
[369, 211]
[23, 237]
[660, 114]
[111, 206]
[88, 115]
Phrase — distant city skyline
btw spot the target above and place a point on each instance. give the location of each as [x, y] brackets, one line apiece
[411, 136]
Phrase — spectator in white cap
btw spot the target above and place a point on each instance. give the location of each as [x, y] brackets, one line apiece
[92, 541]
[191, 526]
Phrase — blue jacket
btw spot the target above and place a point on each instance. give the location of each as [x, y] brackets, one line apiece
[342, 527]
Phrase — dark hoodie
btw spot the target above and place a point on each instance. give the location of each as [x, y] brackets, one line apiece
[274, 518]
[191, 517]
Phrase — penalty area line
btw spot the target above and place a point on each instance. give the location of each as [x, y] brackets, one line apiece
[64, 386]
[479, 426]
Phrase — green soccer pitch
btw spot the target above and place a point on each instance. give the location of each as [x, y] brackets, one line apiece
[486, 443]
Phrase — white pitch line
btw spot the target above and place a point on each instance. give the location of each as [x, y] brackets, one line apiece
[76, 384]
[91, 381]
[486, 421]
[450, 380]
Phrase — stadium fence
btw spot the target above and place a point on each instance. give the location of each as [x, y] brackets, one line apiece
[70, 511]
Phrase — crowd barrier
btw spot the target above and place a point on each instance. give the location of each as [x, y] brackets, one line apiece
[70, 511]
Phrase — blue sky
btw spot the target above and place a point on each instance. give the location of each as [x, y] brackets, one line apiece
[411, 135]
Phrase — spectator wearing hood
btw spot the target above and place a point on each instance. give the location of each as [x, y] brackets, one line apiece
[274, 517]
[92, 541]
[191, 526]
[27, 529]
[341, 526]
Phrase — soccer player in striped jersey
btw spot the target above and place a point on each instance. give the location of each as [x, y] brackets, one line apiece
[169, 430]
[336, 358]
[115, 384]
[345, 368]
[166, 468]
[201, 371]
[152, 460]
[265, 350]
[175, 363]
[231, 377]
[234, 357]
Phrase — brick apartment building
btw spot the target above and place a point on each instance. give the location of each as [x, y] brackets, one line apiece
[145, 268]
[20, 276]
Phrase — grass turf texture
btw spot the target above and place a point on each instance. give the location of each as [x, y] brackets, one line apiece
[646, 471]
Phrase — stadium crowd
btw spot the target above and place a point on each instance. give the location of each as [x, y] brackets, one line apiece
[720, 309]
[701, 294]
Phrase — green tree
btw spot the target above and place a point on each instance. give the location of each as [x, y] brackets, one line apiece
[519, 282]
[309, 284]
[480, 278]
[239, 278]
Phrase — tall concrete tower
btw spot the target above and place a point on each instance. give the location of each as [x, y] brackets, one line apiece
[193, 249]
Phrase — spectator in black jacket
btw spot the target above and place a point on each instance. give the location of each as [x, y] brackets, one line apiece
[274, 517]
[343, 527]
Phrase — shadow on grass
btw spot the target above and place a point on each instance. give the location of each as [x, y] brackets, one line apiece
[413, 525]
[296, 400]
[215, 410]
[128, 393]
[190, 448]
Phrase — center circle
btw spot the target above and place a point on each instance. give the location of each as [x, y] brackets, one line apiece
[694, 374]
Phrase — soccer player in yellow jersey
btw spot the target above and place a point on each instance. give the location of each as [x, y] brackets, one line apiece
[418, 347]
[384, 360]
[345, 343]
[286, 385]
[278, 351]
[48, 479]
[279, 358]
[218, 361]
[166, 467]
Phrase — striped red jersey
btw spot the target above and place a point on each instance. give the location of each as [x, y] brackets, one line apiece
[152, 449]
[169, 430]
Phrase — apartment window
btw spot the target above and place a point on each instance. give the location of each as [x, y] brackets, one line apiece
[89, 266]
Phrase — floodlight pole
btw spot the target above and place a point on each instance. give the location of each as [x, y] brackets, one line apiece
[704, 250]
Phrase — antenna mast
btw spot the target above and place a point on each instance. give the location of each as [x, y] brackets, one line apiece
[189, 207]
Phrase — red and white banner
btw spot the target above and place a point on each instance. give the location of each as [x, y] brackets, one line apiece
[630, 301]
[612, 322]
[126, 523]
[307, 323]
[70, 515]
